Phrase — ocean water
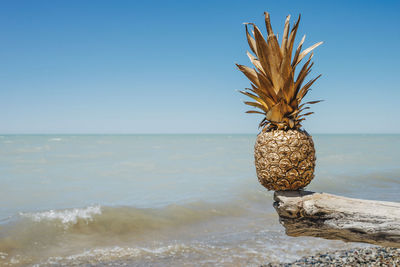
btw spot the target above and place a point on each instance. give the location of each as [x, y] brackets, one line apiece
[167, 200]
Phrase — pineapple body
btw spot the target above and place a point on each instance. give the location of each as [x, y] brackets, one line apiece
[285, 160]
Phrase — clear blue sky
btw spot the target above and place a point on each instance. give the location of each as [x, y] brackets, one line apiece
[168, 66]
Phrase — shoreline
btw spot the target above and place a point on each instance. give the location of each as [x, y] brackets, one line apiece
[371, 256]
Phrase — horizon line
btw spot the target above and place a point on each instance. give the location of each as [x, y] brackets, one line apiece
[191, 133]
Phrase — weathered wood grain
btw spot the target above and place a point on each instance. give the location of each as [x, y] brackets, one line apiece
[305, 213]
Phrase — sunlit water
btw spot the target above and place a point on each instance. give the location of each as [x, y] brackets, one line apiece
[167, 200]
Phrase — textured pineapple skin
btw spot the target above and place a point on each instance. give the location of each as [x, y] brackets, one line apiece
[285, 160]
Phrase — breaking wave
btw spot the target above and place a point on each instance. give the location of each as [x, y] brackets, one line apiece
[70, 216]
[29, 234]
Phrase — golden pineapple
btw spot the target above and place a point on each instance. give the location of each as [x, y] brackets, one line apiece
[284, 153]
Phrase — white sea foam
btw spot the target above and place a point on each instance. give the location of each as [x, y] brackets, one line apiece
[226, 253]
[104, 255]
[55, 139]
[69, 216]
[3, 255]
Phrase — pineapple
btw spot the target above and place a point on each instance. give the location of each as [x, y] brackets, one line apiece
[284, 153]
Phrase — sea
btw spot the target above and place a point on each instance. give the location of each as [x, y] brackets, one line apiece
[168, 200]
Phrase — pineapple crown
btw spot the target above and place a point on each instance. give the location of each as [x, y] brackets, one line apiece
[276, 93]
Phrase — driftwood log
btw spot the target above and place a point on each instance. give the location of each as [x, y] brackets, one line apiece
[305, 213]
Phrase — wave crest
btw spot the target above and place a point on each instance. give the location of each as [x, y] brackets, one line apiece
[69, 216]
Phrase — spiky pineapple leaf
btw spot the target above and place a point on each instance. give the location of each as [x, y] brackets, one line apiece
[292, 36]
[266, 86]
[251, 74]
[251, 41]
[268, 100]
[258, 99]
[303, 91]
[294, 113]
[297, 53]
[255, 111]
[308, 50]
[285, 35]
[262, 49]
[302, 74]
[257, 105]
[255, 62]
[314, 102]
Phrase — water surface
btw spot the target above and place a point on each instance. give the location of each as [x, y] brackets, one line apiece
[164, 200]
